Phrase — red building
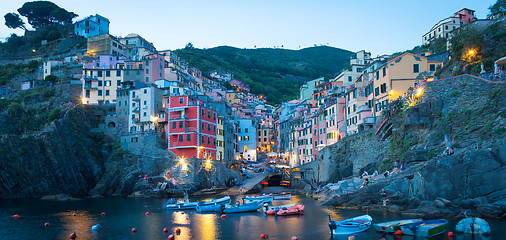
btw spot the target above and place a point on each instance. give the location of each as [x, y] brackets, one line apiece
[465, 15]
[191, 127]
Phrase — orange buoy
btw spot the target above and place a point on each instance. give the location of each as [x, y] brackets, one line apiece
[171, 237]
[178, 231]
[134, 229]
[294, 238]
[74, 214]
[223, 215]
[147, 213]
[46, 224]
[165, 229]
[103, 214]
[263, 235]
[15, 216]
[182, 212]
[450, 234]
[398, 232]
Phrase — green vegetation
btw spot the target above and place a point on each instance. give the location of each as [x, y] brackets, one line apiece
[8, 71]
[40, 14]
[498, 9]
[275, 73]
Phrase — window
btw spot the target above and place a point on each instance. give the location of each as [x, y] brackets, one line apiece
[180, 124]
[147, 79]
[180, 137]
[416, 68]
[145, 103]
[432, 67]
[118, 73]
[208, 127]
[118, 83]
[145, 91]
[214, 127]
[145, 114]
[446, 27]
[107, 73]
[349, 78]
[107, 92]
[203, 112]
[173, 125]
[99, 73]
[377, 75]
[384, 72]
[203, 139]
[107, 83]
[354, 93]
[203, 126]
[245, 130]
[99, 92]
[208, 140]
[99, 83]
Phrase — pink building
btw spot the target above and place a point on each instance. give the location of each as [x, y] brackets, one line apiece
[465, 15]
[154, 65]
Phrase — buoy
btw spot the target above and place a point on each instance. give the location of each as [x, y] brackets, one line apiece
[178, 231]
[398, 232]
[134, 229]
[147, 213]
[351, 237]
[46, 224]
[15, 216]
[73, 235]
[263, 235]
[294, 238]
[95, 227]
[74, 214]
[171, 237]
[103, 214]
[165, 229]
[450, 234]
[223, 215]
[182, 212]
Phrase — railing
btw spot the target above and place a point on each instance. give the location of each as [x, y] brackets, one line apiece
[178, 117]
[136, 109]
[90, 78]
[137, 99]
[89, 86]
[363, 108]
[191, 144]
[369, 120]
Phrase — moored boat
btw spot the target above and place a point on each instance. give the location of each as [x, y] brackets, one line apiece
[211, 208]
[426, 228]
[392, 226]
[295, 210]
[350, 226]
[473, 225]
[274, 209]
[263, 198]
[193, 205]
[282, 196]
[246, 207]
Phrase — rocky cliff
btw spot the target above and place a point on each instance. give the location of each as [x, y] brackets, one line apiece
[471, 112]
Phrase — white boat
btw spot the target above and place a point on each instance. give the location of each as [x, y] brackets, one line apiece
[350, 226]
[392, 226]
[275, 208]
[263, 198]
[193, 205]
[427, 228]
[282, 196]
[473, 225]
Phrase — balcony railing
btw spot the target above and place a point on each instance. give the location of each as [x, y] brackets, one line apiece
[178, 117]
[369, 120]
[136, 109]
[89, 86]
[136, 99]
[191, 144]
[363, 108]
[90, 78]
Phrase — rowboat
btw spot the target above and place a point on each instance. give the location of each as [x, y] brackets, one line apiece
[350, 226]
[262, 198]
[473, 225]
[246, 207]
[193, 205]
[427, 228]
[295, 210]
[211, 208]
[277, 208]
[392, 226]
[282, 196]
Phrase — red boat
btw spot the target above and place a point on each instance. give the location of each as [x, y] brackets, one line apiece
[295, 210]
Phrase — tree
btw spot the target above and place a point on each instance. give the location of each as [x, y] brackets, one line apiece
[43, 13]
[498, 9]
[50, 78]
[12, 20]
[189, 46]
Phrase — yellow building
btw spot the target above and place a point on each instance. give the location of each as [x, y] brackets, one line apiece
[394, 78]
[232, 97]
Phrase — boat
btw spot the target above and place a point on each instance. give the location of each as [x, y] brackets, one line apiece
[392, 226]
[295, 210]
[246, 207]
[282, 196]
[427, 228]
[263, 198]
[473, 225]
[193, 205]
[350, 226]
[211, 208]
[277, 208]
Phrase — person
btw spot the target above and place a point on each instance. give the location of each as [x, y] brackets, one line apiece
[403, 167]
[396, 164]
[375, 172]
[266, 207]
[383, 196]
[366, 181]
[386, 173]
[365, 174]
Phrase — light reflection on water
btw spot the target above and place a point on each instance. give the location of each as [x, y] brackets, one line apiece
[122, 214]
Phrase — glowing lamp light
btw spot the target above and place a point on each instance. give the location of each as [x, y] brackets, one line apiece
[83, 100]
[182, 160]
[419, 92]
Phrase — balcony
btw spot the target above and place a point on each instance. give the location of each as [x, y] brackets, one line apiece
[89, 86]
[89, 78]
[369, 120]
[184, 144]
[136, 109]
[178, 117]
[182, 130]
[363, 108]
[136, 99]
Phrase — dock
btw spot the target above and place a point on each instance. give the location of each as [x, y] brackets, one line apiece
[247, 185]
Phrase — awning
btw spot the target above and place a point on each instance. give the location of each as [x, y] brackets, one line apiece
[501, 60]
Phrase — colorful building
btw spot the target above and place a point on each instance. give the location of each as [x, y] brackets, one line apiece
[92, 26]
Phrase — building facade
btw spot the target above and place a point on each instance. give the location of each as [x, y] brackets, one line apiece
[91, 26]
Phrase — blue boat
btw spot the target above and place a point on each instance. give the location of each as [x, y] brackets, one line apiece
[247, 207]
[193, 205]
[211, 208]
[264, 198]
[427, 228]
[350, 226]
[473, 225]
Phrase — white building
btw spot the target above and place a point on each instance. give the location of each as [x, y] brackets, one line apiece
[145, 107]
[92, 26]
[137, 47]
[357, 63]
[442, 29]
[48, 65]
[247, 135]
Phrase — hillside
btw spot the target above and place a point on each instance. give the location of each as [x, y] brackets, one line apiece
[275, 73]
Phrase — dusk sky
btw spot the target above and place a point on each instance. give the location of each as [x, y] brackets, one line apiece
[381, 27]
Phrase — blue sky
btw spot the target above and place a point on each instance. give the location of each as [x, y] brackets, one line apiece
[381, 27]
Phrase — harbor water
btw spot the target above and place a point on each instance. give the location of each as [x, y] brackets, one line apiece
[123, 214]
